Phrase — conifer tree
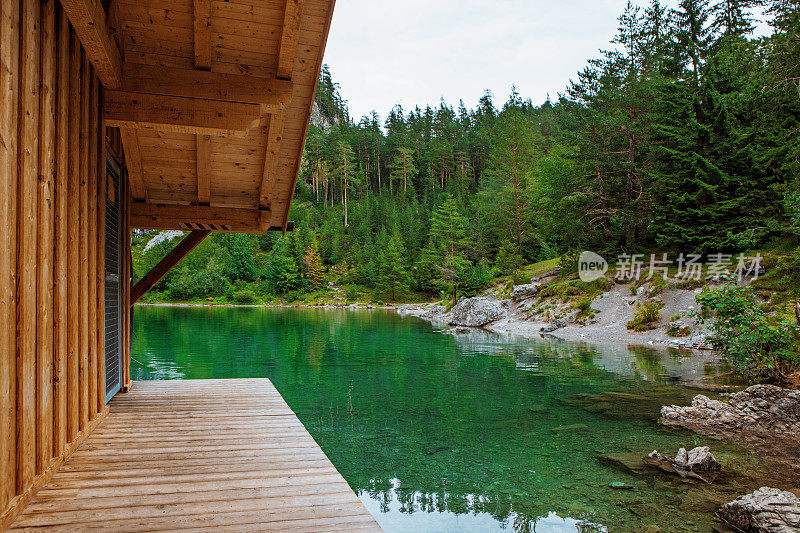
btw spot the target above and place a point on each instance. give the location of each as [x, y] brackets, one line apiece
[449, 237]
[315, 272]
[403, 168]
[392, 273]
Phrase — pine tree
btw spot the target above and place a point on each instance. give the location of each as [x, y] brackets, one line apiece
[733, 18]
[392, 273]
[511, 162]
[449, 237]
[315, 272]
[403, 169]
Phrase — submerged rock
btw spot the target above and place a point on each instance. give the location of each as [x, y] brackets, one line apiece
[619, 485]
[765, 416]
[476, 312]
[766, 510]
[697, 463]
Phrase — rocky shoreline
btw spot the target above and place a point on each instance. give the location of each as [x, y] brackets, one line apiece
[611, 312]
[763, 417]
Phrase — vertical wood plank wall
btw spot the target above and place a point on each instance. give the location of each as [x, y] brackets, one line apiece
[52, 224]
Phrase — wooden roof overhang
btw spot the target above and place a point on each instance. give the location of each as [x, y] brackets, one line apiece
[212, 99]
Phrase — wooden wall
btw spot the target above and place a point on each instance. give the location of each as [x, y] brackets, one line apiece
[52, 205]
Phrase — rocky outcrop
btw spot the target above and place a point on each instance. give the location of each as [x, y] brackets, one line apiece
[524, 292]
[556, 324]
[476, 312]
[697, 463]
[766, 510]
[762, 415]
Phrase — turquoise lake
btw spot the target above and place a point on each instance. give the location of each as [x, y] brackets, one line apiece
[440, 433]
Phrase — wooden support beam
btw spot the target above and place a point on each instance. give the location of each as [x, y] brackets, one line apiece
[150, 279]
[27, 222]
[83, 247]
[271, 158]
[61, 232]
[289, 37]
[202, 34]
[9, 100]
[89, 21]
[73, 218]
[173, 114]
[272, 94]
[187, 217]
[203, 170]
[133, 162]
[46, 229]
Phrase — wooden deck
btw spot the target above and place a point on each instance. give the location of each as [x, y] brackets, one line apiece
[219, 454]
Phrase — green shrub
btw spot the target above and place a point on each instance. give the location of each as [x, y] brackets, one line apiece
[657, 284]
[743, 333]
[584, 307]
[520, 278]
[293, 296]
[351, 293]
[244, 296]
[646, 316]
[673, 331]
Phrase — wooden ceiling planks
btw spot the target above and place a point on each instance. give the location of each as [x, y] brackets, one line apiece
[272, 40]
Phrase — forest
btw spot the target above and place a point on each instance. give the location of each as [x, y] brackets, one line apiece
[683, 136]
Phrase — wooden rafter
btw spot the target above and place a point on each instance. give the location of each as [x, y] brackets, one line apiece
[155, 274]
[175, 114]
[202, 34]
[204, 170]
[89, 21]
[289, 38]
[274, 137]
[272, 94]
[171, 216]
[133, 162]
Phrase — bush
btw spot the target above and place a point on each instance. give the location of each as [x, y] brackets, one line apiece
[243, 296]
[742, 332]
[351, 293]
[293, 296]
[646, 316]
[188, 284]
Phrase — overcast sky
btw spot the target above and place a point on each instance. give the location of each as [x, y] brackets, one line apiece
[414, 52]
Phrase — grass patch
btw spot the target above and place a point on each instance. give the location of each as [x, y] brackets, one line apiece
[689, 284]
[646, 316]
[568, 289]
[674, 331]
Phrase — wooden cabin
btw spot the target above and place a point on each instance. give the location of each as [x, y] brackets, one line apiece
[119, 114]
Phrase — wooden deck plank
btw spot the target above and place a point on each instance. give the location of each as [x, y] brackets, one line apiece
[227, 455]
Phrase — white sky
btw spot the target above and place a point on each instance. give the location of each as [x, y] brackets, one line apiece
[414, 52]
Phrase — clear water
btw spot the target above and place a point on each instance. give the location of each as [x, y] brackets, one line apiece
[474, 432]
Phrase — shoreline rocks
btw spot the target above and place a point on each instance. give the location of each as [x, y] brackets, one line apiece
[476, 312]
[764, 416]
[767, 510]
[524, 292]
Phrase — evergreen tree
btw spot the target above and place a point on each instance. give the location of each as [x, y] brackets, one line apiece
[392, 273]
[449, 237]
[402, 167]
[315, 272]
